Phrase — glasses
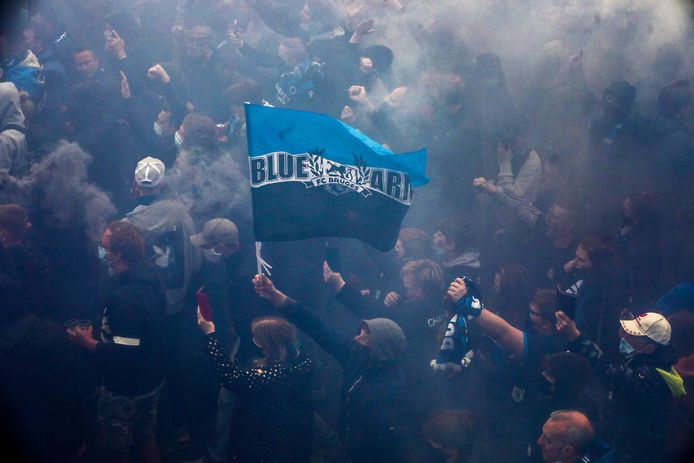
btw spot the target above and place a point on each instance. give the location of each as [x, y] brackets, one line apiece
[73, 323]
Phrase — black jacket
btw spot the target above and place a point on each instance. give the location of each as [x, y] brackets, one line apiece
[373, 420]
[130, 351]
[273, 417]
[637, 401]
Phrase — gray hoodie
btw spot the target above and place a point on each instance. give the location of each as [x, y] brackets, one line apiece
[162, 217]
[13, 143]
[386, 341]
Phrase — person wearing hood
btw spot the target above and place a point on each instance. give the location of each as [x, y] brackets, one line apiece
[167, 228]
[640, 389]
[13, 141]
[129, 348]
[374, 412]
[452, 243]
[568, 437]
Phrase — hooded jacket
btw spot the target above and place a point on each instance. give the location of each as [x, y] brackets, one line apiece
[130, 351]
[13, 141]
[373, 407]
[175, 261]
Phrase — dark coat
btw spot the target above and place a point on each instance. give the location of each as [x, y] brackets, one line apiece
[273, 417]
[130, 354]
[373, 416]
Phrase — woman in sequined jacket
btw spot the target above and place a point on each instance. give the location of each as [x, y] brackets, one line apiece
[273, 417]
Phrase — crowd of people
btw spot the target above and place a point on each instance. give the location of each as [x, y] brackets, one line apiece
[537, 305]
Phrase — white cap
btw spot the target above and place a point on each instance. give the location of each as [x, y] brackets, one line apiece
[149, 172]
[651, 324]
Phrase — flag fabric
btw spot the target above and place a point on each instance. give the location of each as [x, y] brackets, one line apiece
[312, 176]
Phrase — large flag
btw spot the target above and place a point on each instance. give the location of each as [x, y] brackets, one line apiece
[312, 175]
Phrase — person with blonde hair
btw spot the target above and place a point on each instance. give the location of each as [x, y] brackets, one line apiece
[273, 417]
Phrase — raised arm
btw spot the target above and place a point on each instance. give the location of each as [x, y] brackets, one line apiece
[332, 341]
[497, 328]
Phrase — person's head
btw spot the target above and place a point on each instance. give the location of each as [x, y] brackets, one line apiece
[566, 371]
[219, 239]
[451, 237]
[292, 51]
[595, 254]
[645, 334]
[122, 247]
[86, 63]
[198, 42]
[149, 176]
[640, 208]
[199, 133]
[451, 432]
[37, 36]
[376, 58]
[617, 100]
[276, 338]
[542, 309]
[560, 220]
[422, 280]
[13, 225]
[381, 342]
[243, 91]
[317, 15]
[413, 243]
[566, 436]
[86, 104]
[675, 100]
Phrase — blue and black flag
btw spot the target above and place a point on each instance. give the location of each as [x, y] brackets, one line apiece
[312, 175]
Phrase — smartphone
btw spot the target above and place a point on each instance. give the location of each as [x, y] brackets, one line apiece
[566, 302]
[204, 304]
[332, 257]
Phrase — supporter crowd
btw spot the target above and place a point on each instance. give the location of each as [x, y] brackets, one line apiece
[537, 305]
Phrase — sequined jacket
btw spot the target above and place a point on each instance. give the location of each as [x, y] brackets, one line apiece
[273, 417]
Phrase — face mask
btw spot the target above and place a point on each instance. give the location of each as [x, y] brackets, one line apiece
[439, 252]
[178, 140]
[102, 253]
[625, 348]
[580, 273]
[213, 256]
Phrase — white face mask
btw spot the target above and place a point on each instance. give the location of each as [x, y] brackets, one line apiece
[178, 140]
[213, 256]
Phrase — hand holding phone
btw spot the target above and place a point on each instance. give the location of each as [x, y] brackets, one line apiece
[204, 304]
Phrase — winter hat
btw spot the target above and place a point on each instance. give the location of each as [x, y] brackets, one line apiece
[652, 325]
[149, 172]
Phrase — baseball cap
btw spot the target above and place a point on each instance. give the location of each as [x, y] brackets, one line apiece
[149, 172]
[216, 231]
[651, 324]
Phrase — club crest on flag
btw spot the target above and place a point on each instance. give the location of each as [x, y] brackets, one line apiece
[315, 171]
